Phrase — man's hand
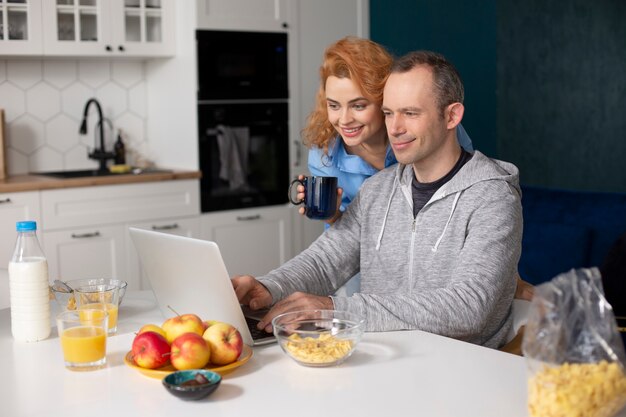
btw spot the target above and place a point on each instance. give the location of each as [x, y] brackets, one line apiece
[296, 301]
[524, 290]
[251, 292]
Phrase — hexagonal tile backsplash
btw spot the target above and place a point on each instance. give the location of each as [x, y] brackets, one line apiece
[44, 100]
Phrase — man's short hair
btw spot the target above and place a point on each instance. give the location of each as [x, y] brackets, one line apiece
[447, 81]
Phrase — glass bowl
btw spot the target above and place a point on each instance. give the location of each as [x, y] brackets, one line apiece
[177, 383]
[66, 300]
[318, 337]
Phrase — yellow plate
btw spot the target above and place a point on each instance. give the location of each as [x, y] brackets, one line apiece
[160, 373]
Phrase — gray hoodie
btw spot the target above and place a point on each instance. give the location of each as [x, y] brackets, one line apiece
[450, 270]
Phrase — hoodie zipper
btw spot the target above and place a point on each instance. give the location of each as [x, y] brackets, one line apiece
[411, 251]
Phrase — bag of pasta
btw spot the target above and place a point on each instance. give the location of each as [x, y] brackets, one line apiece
[573, 349]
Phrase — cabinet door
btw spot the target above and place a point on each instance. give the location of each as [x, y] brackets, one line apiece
[77, 27]
[189, 227]
[16, 207]
[143, 27]
[20, 27]
[252, 241]
[97, 252]
[262, 15]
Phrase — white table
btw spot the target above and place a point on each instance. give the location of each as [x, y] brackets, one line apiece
[390, 374]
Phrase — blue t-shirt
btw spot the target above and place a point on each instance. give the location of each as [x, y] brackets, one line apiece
[352, 170]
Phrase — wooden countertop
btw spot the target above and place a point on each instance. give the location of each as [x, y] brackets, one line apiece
[39, 182]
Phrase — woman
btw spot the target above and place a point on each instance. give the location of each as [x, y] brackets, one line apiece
[346, 131]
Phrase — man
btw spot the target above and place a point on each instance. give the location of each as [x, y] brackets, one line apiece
[436, 238]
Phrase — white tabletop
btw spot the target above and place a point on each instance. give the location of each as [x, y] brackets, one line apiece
[390, 374]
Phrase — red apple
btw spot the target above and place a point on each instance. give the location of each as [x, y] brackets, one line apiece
[186, 323]
[190, 351]
[225, 342]
[150, 350]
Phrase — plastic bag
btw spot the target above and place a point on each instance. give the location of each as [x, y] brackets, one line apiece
[574, 352]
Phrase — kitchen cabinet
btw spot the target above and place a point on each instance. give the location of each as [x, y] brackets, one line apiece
[20, 27]
[251, 241]
[85, 229]
[130, 28]
[91, 252]
[261, 15]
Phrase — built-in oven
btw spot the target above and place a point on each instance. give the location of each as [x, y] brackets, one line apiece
[243, 119]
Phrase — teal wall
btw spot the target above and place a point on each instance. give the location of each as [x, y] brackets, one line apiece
[545, 81]
[463, 31]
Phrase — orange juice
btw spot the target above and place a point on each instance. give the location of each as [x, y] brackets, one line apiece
[83, 344]
[110, 308]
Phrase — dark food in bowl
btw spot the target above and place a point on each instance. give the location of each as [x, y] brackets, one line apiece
[193, 384]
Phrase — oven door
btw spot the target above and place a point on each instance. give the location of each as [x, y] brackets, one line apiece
[241, 65]
[244, 155]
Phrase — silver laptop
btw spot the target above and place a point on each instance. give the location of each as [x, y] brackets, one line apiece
[190, 276]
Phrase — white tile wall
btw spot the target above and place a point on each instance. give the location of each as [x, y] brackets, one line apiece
[44, 101]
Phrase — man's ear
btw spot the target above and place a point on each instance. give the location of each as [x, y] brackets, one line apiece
[454, 115]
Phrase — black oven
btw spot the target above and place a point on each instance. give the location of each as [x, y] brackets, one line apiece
[244, 155]
[241, 65]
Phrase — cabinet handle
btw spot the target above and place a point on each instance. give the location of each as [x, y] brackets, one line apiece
[298, 153]
[108, 48]
[165, 227]
[121, 48]
[248, 218]
[6, 200]
[85, 235]
[285, 25]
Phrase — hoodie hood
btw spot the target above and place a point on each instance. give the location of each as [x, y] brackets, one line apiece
[479, 168]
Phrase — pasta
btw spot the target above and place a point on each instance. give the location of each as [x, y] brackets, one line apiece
[325, 349]
[577, 390]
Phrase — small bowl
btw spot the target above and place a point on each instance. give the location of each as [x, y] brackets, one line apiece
[64, 299]
[174, 384]
[76, 283]
[318, 337]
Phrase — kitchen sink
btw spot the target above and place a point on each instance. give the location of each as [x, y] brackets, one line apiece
[81, 173]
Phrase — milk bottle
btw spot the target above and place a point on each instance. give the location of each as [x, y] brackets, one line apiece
[28, 286]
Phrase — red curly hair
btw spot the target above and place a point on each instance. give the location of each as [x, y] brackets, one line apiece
[364, 62]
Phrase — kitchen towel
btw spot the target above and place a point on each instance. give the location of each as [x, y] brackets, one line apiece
[233, 144]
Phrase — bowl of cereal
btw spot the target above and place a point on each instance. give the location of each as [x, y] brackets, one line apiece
[318, 337]
[63, 291]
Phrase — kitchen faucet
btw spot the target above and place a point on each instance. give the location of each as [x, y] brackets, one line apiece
[100, 154]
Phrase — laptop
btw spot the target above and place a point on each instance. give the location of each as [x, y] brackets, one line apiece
[190, 276]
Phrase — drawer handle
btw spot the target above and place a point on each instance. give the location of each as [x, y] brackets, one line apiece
[248, 218]
[166, 227]
[85, 235]
[6, 200]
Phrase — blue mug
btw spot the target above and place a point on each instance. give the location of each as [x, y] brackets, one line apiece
[320, 196]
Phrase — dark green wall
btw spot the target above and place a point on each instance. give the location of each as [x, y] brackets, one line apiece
[465, 33]
[545, 80]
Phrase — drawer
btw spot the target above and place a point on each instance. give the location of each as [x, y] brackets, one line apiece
[88, 206]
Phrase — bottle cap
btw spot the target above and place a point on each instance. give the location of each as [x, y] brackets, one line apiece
[27, 226]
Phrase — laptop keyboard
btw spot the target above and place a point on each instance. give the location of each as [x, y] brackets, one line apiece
[254, 331]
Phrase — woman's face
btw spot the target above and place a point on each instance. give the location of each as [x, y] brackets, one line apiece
[356, 119]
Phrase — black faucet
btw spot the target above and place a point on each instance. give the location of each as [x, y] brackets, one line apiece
[100, 154]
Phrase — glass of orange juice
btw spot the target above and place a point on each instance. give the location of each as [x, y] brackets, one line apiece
[99, 297]
[83, 337]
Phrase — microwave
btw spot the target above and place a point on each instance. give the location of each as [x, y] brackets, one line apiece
[241, 65]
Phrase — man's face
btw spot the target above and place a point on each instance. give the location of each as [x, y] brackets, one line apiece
[416, 128]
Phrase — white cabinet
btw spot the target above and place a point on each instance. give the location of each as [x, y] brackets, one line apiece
[132, 28]
[251, 241]
[85, 229]
[91, 252]
[261, 15]
[20, 27]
